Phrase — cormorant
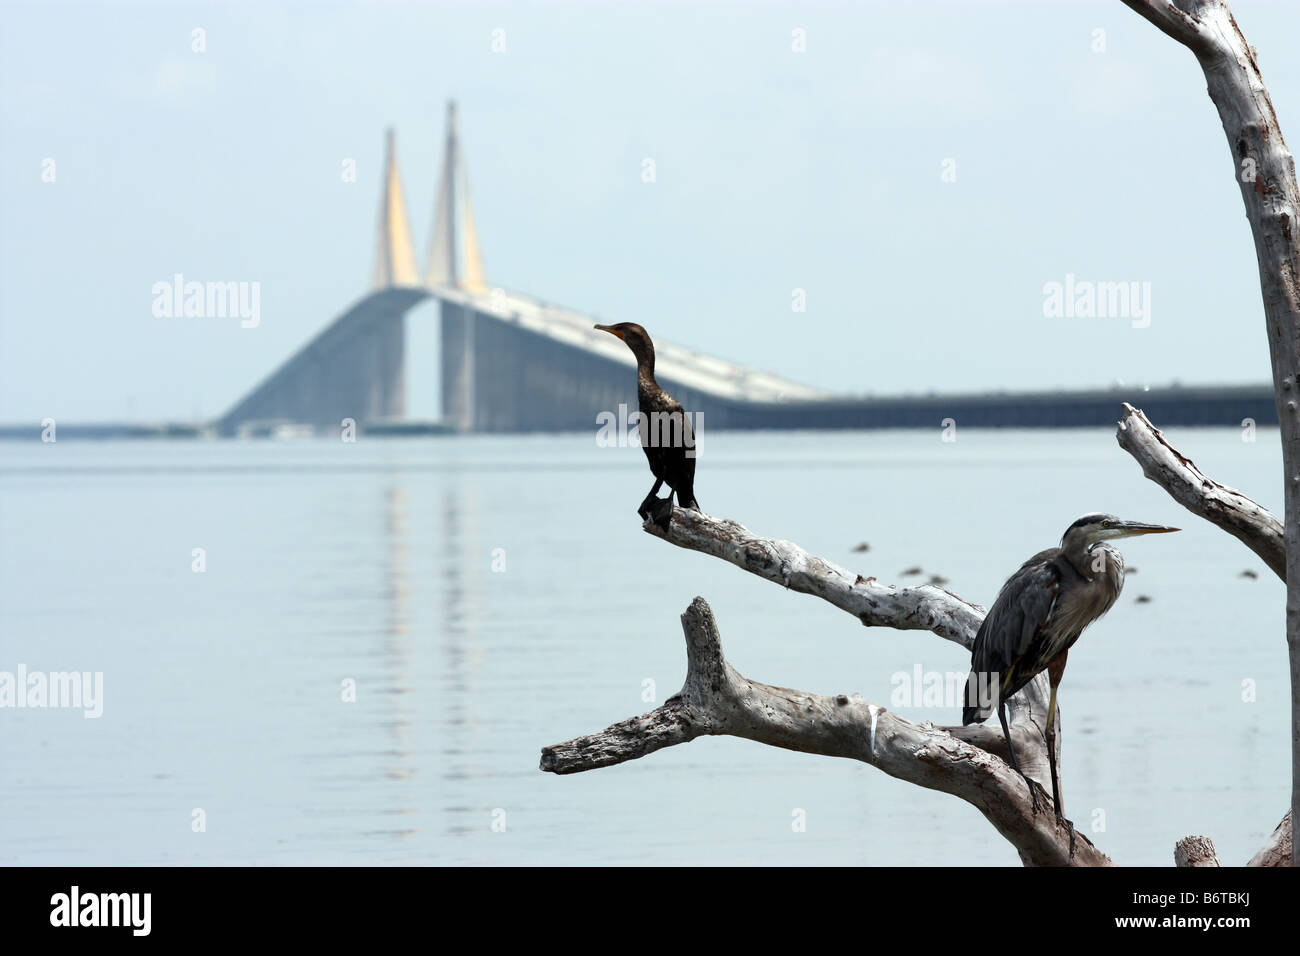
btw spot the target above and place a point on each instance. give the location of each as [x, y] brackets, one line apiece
[665, 428]
[1038, 615]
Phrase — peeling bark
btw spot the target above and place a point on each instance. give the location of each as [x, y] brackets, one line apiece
[1278, 850]
[1195, 851]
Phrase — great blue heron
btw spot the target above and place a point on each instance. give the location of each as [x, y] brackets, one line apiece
[1038, 615]
[666, 434]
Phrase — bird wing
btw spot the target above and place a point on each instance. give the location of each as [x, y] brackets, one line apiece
[688, 438]
[1010, 641]
[683, 477]
[665, 431]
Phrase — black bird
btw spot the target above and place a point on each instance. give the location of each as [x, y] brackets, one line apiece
[666, 434]
[1038, 615]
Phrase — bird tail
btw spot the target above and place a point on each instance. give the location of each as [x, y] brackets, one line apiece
[686, 498]
[977, 708]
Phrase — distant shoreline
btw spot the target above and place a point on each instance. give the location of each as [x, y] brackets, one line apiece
[1226, 406]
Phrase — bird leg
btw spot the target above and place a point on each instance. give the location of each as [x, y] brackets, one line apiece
[1051, 763]
[1011, 749]
[646, 508]
[1051, 753]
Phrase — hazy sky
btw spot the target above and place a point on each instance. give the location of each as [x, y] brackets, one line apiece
[776, 170]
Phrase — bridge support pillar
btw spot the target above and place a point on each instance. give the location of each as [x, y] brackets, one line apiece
[458, 366]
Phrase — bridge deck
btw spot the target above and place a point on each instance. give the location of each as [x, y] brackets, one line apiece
[707, 373]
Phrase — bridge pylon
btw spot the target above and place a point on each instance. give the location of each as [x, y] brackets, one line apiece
[394, 265]
[454, 258]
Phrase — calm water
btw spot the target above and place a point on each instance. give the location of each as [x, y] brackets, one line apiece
[373, 562]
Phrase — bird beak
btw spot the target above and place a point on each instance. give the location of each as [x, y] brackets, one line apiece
[611, 330]
[1128, 529]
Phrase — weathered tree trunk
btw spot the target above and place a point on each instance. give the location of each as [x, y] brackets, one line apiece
[1264, 170]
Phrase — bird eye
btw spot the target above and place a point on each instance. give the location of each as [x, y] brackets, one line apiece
[1105, 524]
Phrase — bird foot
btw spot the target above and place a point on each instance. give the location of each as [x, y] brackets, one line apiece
[658, 510]
[1062, 822]
[1033, 794]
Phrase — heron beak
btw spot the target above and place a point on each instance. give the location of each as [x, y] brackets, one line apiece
[611, 330]
[1128, 529]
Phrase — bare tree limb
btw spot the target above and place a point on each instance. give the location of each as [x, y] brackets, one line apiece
[1175, 22]
[927, 607]
[1257, 527]
[1195, 851]
[1253, 525]
[717, 700]
[1277, 851]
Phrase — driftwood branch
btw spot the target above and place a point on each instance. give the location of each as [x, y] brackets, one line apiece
[1252, 524]
[1244, 519]
[927, 607]
[717, 700]
[1195, 851]
[1176, 22]
[1277, 851]
[1264, 172]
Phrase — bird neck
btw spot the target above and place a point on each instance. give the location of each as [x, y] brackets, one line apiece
[645, 362]
[1095, 560]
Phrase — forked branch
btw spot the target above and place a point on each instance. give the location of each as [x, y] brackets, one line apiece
[928, 607]
[717, 700]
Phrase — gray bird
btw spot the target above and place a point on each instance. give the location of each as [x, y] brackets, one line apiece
[1038, 615]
